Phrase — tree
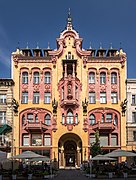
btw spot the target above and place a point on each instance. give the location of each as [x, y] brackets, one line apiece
[95, 148]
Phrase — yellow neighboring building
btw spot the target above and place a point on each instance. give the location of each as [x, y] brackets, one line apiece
[65, 95]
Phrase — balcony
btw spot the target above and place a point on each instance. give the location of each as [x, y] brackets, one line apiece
[69, 102]
[35, 126]
[104, 126]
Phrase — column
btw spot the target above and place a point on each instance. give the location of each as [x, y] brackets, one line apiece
[78, 157]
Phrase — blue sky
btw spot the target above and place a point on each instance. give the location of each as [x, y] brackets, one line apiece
[32, 21]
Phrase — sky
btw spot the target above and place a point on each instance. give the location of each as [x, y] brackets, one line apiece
[35, 22]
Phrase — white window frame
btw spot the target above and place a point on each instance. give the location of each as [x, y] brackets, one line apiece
[47, 77]
[70, 118]
[103, 99]
[2, 117]
[92, 98]
[25, 140]
[24, 77]
[113, 78]
[36, 78]
[114, 97]
[47, 119]
[3, 98]
[24, 97]
[36, 97]
[47, 97]
[47, 140]
[91, 78]
[102, 78]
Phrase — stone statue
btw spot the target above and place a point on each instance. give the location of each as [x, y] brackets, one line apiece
[54, 105]
[15, 106]
[124, 106]
[85, 104]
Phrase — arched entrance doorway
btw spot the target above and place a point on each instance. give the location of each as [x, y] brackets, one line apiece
[70, 150]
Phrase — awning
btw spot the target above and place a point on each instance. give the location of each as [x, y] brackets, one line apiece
[5, 128]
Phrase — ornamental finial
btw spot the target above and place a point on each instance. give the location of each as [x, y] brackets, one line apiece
[69, 19]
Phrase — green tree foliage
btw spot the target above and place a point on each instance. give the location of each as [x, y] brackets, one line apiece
[95, 148]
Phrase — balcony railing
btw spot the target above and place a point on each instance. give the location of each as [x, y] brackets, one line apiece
[104, 125]
[31, 125]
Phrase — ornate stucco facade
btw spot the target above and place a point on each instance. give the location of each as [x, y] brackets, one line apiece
[65, 95]
[6, 115]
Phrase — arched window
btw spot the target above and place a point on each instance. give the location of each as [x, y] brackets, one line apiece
[92, 119]
[47, 119]
[63, 119]
[25, 78]
[69, 117]
[102, 78]
[47, 78]
[91, 78]
[116, 120]
[36, 78]
[76, 119]
[114, 78]
[23, 119]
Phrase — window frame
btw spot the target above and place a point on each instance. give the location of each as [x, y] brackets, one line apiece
[102, 77]
[36, 77]
[103, 97]
[92, 98]
[36, 97]
[47, 77]
[24, 98]
[47, 99]
[25, 77]
[91, 78]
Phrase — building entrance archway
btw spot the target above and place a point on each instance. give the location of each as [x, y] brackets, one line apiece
[70, 151]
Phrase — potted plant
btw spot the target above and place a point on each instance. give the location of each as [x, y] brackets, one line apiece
[30, 174]
[125, 173]
[46, 174]
[14, 174]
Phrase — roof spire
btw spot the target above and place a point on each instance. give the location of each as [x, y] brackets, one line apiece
[69, 20]
[48, 45]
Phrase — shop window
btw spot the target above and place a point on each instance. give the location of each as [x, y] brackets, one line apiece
[25, 140]
[47, 140]
[36, 140]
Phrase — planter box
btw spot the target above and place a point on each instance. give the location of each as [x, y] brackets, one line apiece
[110, 175]
[14, 176]
[30, 176]
[125, 175]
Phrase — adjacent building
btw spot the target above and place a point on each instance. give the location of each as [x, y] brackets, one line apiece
[6, 115]
[64, 96]
[131, 114]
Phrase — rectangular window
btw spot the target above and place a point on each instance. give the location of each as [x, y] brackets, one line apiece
[102, 97]
[36, 97]
[36, 140]
[133, 99]
[2, 117]
[47, 140]
[114, 140]
[47, 97]
[134, 135]
[114, 98]
[24, 97]
[104, 140]
[133, 117]
[2, 98]
[25, 140]
[92, 97]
